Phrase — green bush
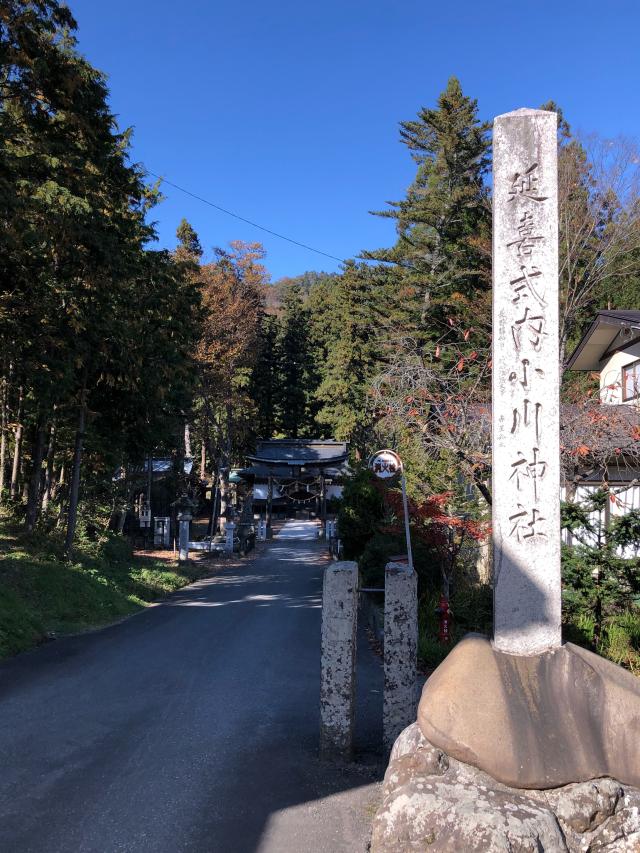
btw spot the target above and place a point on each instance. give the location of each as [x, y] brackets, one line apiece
[116, 549]
[382, 546]
[619, 639]
[471, 610]
[360, 513]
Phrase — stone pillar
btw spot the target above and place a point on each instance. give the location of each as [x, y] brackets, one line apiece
[400, 650]
[323, 502]
[338, 659]
[269, 505]
[184, 520]
[526, 451]
[229, 531]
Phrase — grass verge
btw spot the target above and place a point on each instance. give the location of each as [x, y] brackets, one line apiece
[42, 596]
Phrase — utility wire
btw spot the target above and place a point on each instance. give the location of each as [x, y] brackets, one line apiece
[242, 219]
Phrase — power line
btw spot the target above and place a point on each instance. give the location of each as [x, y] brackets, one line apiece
[243, 219]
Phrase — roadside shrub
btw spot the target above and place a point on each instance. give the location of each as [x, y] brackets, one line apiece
[116, 549]
[382, 546]
[360, 511]
[471, 610]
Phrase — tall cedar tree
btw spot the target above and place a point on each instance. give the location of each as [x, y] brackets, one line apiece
[265, 378]
[74, 340]
[441, 259]
[294, 366]
[353, 359]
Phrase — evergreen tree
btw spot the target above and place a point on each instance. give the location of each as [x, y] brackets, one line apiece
[353, 358]
[79, 336]
[265, 379]
[188, 247]
[441, 260]
[294, 373]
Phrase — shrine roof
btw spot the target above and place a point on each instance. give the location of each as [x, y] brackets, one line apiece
[263, 472]
[295, 451]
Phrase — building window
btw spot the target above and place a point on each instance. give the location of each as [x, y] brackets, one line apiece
[631, 380]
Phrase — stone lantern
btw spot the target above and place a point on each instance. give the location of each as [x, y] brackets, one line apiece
[184, 509]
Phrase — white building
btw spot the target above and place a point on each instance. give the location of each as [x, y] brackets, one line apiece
[611, 348]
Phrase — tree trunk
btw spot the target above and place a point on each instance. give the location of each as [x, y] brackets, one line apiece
[187, 440]
[203, 462]
[225, 470]
[149, 480]
[48, 474]
[3, 437]
[33, 498]
[74, 491]
[17, 446]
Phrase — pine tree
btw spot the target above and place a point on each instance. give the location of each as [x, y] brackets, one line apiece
[188, 247]
[353, 359]
[265, 378]
[79, 339]
[294, 373]
[441, 260]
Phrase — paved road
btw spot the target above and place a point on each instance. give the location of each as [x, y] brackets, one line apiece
[190, 727]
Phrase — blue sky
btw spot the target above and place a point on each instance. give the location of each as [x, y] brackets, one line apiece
[287, 112]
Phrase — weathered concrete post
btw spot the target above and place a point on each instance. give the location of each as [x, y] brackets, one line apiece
[269, 505]
[184, 519]
[400, 650]
[229, 531]
[338, 659]
[526, 447]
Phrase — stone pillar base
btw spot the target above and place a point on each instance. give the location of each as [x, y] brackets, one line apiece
[431, 801]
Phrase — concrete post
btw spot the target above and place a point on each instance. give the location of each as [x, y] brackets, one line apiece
[526, 443]
[229, 531]
[269, 505]
[184, 520]
[323, 502]
[338, 659]
[400, 650]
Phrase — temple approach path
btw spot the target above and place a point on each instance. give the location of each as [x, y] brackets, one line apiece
[192, 726]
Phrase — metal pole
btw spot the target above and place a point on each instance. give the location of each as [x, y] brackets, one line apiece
[406, 521]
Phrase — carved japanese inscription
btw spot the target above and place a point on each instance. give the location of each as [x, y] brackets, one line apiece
[526, 384]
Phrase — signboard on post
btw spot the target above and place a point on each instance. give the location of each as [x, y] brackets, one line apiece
[386, 465]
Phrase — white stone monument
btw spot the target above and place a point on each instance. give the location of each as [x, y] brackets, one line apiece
[526, 447]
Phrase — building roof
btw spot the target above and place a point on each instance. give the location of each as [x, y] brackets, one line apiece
[307, 472]
[298, 451]
[609, 332]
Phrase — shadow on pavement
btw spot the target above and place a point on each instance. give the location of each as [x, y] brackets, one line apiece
[190, 727]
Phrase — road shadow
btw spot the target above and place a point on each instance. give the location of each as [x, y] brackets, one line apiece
[191, 726]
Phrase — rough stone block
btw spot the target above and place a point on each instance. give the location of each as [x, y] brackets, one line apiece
[542, 721]
[431, 801]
